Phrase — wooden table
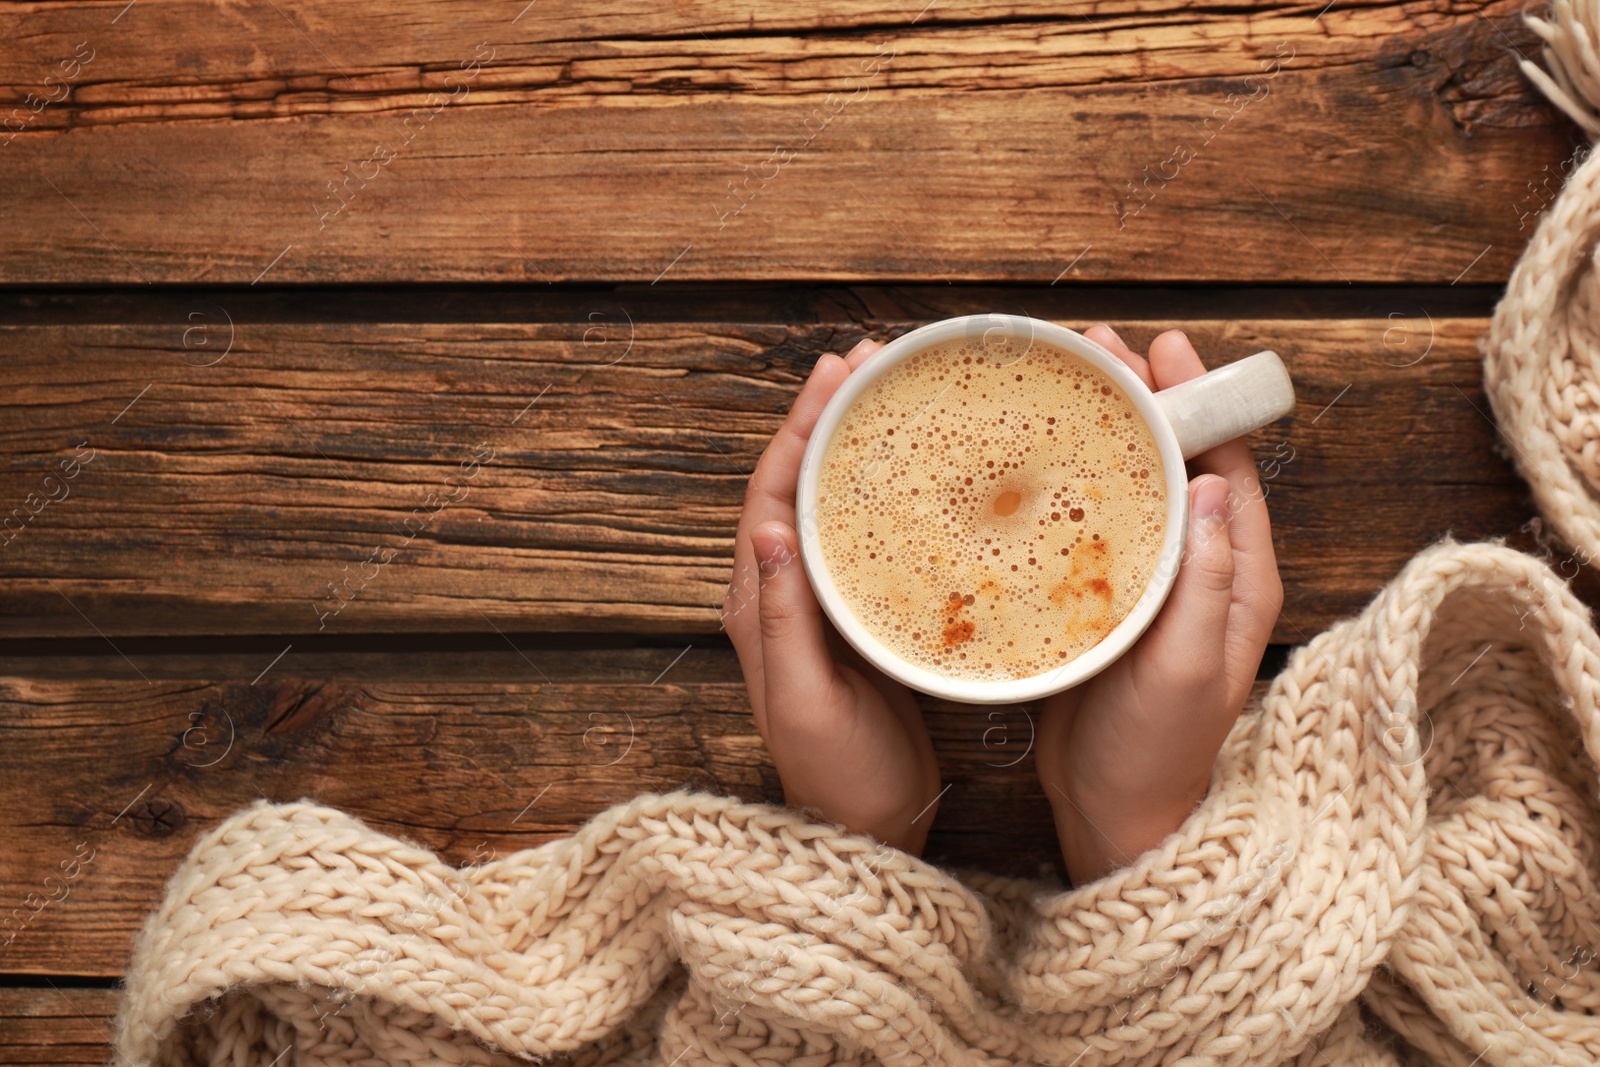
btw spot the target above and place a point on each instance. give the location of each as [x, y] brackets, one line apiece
[277, 277]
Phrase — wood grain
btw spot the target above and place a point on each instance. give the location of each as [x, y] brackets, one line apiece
[198, 142]
[56, 1026]
[123, 768]
[291, 487]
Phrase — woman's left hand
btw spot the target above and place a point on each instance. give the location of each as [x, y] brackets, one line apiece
[847, 740]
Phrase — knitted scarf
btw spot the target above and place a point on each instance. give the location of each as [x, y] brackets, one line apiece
[1396, 862]
[1404, 825]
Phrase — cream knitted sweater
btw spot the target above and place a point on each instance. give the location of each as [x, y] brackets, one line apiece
[1396, 863]
[1403, 832]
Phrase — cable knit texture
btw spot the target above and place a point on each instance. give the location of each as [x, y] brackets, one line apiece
[1406, 822]
[1396, 863]
[1542, 351]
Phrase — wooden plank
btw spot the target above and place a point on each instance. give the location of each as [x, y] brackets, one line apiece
[192, 142]
[56, 1025]
[110, 773]
[295, 486]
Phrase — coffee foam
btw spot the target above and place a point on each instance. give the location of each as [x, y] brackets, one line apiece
[991, 510]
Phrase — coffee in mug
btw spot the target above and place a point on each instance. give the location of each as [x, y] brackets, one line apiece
[991, 509]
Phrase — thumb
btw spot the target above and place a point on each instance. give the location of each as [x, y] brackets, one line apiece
[794, 648]
[1197, 609]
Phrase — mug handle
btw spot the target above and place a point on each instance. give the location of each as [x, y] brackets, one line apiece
[1227, 402]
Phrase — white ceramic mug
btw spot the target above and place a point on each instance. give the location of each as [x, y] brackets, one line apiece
[1185, 420]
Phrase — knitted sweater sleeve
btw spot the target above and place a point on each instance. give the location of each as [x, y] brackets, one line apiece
[1313, 896]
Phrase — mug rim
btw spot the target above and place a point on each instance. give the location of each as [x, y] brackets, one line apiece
[1084, 666]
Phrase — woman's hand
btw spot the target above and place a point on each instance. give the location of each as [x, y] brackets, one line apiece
[1126, 756]
[846, 740]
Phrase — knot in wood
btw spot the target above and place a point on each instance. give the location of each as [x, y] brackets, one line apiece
[157, 817]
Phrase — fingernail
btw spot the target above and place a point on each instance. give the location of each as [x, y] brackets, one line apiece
[1211, 501]
[771, 551]
[1106, 326]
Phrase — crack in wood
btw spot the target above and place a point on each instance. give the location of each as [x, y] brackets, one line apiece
[298, 704]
